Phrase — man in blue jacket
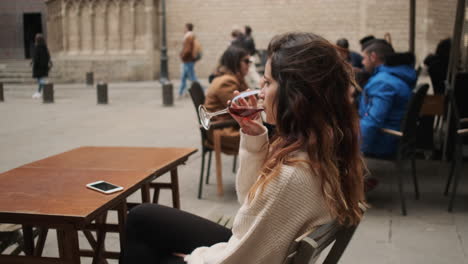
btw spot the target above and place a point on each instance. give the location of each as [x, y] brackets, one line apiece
[384, 98]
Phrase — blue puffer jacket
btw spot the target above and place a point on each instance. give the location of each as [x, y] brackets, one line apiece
[383, 105]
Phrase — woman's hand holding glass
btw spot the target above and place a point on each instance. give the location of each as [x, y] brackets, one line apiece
[245, 108]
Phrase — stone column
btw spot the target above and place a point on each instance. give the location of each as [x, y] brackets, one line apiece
[149, 37]
[127, 29]
[73, 27]
[92, 22]
[119, 26]
[64, 25]
[93, 33]
[139, 41]
[113, 26]
[133, 25]
[79, 13]
[100, 31]
[149, 16]
[86, 25]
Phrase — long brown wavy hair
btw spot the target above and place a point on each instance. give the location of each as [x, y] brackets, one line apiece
[314, 114]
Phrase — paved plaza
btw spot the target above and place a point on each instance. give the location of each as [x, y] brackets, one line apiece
[135, 116]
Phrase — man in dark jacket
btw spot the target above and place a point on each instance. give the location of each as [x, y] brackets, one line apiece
[384, 98]
[437, 65]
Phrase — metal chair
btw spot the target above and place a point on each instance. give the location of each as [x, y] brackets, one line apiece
[198, 97]
[456, 133]
[407, 141]
[11, 236]
[307, 248]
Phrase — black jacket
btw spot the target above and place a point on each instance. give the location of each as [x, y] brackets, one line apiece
[41, 61]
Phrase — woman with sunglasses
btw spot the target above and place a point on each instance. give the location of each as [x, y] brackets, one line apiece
[230, 77]
[308, 174]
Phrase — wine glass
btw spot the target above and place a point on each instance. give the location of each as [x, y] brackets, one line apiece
[245, 105]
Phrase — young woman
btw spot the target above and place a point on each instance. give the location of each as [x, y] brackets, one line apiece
[230, 77]
[308, 174]
[41, 63]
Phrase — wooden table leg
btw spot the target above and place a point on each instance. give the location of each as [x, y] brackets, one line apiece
[69, 250]
[175, 188]
[41, 241]
[101, 237]
[122, 215]
[145, 193]
[28, 240]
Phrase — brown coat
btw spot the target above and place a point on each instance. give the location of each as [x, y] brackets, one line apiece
[187, 49]
[220, 91]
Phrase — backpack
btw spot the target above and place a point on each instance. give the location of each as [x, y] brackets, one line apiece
[197, 50]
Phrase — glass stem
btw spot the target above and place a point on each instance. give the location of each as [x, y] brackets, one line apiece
[220, 112]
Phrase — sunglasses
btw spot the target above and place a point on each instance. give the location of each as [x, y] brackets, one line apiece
[247, 61]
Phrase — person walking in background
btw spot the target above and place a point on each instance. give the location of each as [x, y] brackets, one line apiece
[308, 174]
[188, 59]
[252, 78]
[41, 63]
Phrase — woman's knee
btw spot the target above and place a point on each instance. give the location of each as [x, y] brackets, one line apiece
[140, 216]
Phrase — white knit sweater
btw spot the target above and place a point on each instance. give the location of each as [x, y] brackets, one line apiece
[264, 229]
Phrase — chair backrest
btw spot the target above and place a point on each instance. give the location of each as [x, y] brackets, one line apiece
[198, 95]
[198, 98]
[309, 246]
[409, 124]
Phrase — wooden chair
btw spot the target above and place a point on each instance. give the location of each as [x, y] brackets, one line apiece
[307, 248]
[457, 131]
[407, 141]
[198, 98]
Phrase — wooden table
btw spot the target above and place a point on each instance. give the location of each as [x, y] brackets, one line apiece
[52, 193]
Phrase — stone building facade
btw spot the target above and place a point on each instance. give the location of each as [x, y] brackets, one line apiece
[119, 39]
[116, 39]
[333, 19]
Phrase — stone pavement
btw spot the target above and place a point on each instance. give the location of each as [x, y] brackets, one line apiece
[135, 116]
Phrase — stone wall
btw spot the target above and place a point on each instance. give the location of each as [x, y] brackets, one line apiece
[113, 38]
[332, 19]
[84, 35]
[11, 25]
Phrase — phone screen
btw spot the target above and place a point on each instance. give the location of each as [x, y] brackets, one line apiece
[105, 186]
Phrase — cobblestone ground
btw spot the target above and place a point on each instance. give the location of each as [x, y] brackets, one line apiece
[135, 116]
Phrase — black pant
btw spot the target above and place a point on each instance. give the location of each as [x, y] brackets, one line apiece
[154, 232]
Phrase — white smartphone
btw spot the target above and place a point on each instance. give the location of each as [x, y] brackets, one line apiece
[104, 187]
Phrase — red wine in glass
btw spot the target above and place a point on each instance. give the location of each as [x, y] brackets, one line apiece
[240, 109]
[247, 111]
